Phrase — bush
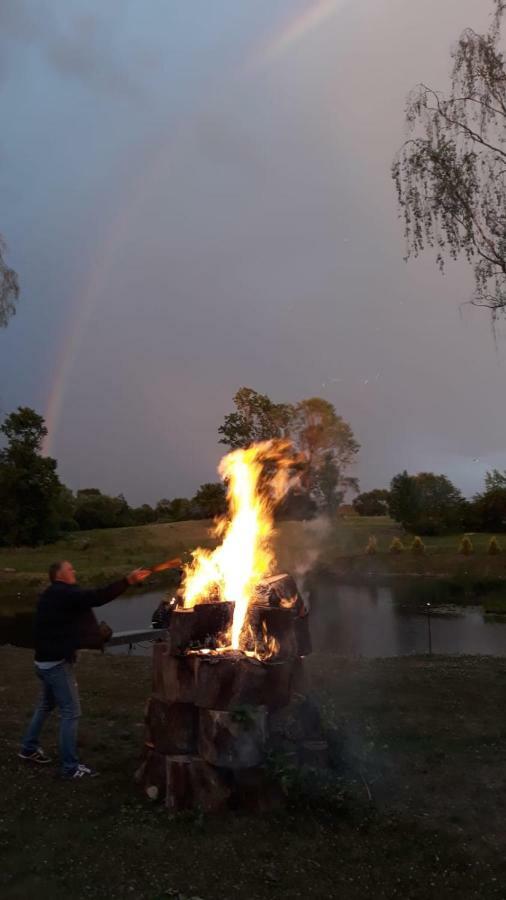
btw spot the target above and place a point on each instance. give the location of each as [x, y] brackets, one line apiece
[418, 546]
[494, 547]
[372, 546]
[396, 546]
[466, 546]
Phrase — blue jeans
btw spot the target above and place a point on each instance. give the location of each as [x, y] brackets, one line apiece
[59, 689]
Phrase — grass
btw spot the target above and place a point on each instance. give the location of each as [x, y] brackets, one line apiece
[103, 555]
[420, 750]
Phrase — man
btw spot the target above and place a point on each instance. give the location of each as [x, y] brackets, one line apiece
[57, 639]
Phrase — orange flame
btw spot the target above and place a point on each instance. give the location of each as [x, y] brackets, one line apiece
[257, 478]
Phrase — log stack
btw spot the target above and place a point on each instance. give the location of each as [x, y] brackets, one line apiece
[208, 718]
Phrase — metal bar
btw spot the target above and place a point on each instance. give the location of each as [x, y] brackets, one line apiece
[136, 635]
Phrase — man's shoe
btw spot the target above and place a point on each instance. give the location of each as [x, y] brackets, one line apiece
[81, 772]
[37, 756]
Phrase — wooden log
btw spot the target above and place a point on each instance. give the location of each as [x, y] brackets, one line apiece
[279, 590]
[278, 687]
[193, 784]
[199, 627]
[233, 739]
[173, 676]
[171, 727]
[303, 636]
[152, 775]
[159, 654]
[277, 623]
[294, 724]
[224, 682]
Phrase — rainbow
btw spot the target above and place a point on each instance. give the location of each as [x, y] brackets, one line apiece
[287, 36]
[295, 28]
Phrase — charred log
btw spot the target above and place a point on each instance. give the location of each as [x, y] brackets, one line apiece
[171, 727]
[193, 784]
[199, 627]
[276, 624]
[224, 682]
[173, 676]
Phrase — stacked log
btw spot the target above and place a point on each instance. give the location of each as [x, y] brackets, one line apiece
[207, 720]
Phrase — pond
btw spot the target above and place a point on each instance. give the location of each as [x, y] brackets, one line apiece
[349, 620]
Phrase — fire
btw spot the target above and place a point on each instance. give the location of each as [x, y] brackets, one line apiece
[257, 478]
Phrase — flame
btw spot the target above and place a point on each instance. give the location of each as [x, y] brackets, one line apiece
[257, 478]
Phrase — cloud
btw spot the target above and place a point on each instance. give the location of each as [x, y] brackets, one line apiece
[83, 47]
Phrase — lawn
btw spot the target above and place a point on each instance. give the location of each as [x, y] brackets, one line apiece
[416, 808]
[340, 547]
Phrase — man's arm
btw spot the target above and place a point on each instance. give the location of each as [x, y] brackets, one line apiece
[87, 598]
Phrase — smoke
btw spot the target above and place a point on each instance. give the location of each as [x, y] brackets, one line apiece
[299, 547]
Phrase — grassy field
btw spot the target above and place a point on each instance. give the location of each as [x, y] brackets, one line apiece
[415, 810]
[102, 555]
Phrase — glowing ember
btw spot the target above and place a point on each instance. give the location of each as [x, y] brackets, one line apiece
[257, 478]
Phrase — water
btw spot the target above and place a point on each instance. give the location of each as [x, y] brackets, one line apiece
[348, 620]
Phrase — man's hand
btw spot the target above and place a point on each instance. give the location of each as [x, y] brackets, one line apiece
[137, 576]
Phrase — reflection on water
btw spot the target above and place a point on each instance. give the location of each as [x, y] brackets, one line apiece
[349, 620]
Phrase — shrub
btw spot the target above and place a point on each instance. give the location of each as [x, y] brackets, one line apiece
[466, 546]
[418, 546]
[494, 547]
[372, 546]
[396, 546]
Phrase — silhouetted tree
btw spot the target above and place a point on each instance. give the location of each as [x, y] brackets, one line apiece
[30, 490]
[451, 173]
[372, 503]
[256, 418]
[210, 500]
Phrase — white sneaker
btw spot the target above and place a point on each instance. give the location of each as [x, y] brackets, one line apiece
[82, 772]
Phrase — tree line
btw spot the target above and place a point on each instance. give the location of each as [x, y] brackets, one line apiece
[36, 507]
[429, 504]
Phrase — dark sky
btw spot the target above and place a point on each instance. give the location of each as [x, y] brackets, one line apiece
[197, 196]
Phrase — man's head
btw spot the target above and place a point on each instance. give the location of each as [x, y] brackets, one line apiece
[62, 571]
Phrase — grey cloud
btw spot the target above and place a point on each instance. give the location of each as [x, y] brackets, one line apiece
[75, 46]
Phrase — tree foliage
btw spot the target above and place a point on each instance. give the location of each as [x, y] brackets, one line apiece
[9, 288]
[426, 503]
[372, 503]
[255, 418]
[324, 444]
[210, 500]
[451, 173]
[30, 491]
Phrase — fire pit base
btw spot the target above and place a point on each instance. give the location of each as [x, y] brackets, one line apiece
[216, 714]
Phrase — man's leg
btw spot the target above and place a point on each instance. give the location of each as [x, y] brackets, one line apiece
[30, 742]
[64, 686]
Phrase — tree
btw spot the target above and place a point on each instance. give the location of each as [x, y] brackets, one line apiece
[256, 418]
[450, 175]
[490, 510]
[404, 502]
[427, 503]
[323, 443]
[30, 490]
[495, 480]
[210, 500]
[328, 484]
[9, 288]
[143, 515]
[177, 510]
[372, 503]
[327, 446]
[97, 510]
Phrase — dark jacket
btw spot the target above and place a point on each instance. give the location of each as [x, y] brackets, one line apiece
[58, 613]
